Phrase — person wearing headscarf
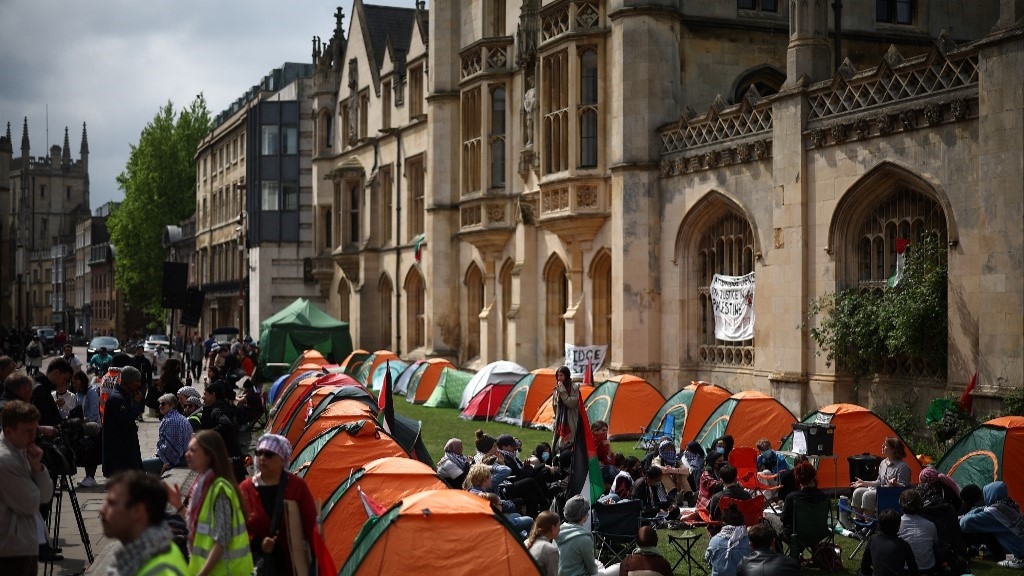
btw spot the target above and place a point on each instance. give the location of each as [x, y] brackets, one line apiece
[941, 484]
[565, 402]
[260, 493]
[998, 525]
[729, 546]
[453, 466]
[693, 456]
[676, 477]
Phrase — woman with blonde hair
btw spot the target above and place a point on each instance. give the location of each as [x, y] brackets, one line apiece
[218, 542]
[541, 542]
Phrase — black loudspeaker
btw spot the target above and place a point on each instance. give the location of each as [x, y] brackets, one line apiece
[175, 281]
[193, 307]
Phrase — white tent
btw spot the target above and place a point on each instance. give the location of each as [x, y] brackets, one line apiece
[493, 373]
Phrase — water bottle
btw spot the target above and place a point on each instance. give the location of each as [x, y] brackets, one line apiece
[844, 513]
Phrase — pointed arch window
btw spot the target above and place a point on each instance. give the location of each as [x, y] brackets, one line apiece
[903, 214]
[725, 247]
[415, 293]
[601, 285]
[588, 107]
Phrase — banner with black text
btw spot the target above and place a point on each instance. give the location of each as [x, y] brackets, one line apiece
[577, 357]
[732, 298]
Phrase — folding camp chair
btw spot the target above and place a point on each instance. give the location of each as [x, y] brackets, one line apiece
[886, 498]
[615, 528]
[649, 438]
[812, 526]
[744, 459]
[752, 510]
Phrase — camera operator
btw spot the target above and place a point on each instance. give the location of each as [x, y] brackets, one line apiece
[26, 484]
[58, 370]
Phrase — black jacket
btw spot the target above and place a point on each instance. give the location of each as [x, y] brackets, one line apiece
[49, 414]
[768, 563]
[120, 433]
[219, 416]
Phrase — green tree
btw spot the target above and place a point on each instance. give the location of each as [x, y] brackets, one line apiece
[159, 189]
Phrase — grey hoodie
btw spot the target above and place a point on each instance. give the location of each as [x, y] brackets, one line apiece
[575, 551]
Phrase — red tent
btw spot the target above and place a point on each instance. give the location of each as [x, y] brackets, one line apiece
[484, 406]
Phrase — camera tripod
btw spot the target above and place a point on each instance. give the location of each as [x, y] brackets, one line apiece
[66, 484]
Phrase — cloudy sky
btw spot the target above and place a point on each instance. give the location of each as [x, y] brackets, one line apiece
[114, 63]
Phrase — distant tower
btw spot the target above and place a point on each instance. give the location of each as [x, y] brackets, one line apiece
[65, 156]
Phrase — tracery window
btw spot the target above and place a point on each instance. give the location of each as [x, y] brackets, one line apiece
[587, 108]
[471, 141]
[555, 106]
[902, 214]
[727, 247]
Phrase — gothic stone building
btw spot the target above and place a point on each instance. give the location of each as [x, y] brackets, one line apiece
[580, 168]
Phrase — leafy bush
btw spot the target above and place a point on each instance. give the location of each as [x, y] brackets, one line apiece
[1013, 402]
[858, 330]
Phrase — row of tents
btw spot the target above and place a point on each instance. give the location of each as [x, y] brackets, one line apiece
[329, 413]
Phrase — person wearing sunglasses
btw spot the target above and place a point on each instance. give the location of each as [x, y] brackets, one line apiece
[174, 435]
[271, 496]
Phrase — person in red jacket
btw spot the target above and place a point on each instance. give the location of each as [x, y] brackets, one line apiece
[259, 494]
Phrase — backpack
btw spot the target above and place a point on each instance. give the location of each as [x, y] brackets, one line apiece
[33, 351]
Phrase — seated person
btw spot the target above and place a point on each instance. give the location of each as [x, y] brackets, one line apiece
[893, 471]
[952, 550]
[998, 525]
[787, 483]
[972, 497]
[693, 457]
[622, 484]
[764, 560]
[646, 557]
[487, 448]
[918, 531]
[708, 486]
[942, 485]
[807, 478]
[676, 476]
[478, 482]
[605, 456]
[769, 460]
[886, 553]
[648, 491]
[576, 542]
[453, 466]
[729, 546]
[528, 483]
[541, 542]
[730, 488]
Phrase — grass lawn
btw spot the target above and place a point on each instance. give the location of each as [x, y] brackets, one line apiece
[441, 424]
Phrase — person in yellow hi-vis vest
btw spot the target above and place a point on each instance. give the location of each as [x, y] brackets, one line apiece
[218, 542]
[133, 513]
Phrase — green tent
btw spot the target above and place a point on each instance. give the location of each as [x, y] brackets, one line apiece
[448, 392]
[299, 327]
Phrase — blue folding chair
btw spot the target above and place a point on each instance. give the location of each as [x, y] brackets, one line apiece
[649, 439]
[887, 498]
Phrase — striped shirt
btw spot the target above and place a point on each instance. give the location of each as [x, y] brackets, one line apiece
[175, 434]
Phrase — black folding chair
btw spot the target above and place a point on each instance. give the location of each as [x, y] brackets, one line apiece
[615, 527]
[812, 527]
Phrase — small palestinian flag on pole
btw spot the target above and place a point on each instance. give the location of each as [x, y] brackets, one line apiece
[386, 402]
[418, 242]
[901, 261]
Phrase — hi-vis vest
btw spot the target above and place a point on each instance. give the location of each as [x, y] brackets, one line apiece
[170, 562]
[236, 558]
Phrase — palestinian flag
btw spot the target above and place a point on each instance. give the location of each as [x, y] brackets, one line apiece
[418, 242]
[966, 401]
[901, 261]
[586, 477]
[386, 402]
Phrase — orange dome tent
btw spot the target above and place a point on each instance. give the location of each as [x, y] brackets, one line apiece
[527, 397]
[858, 430]
[626, 402]
[340, 412]
[323, 386]
[386, 481]
[370, 364]
[394, 542]
[327, 460]
[747, 416]
[690, 408]
[545, 415]
[311, 356]
[425, 378]
[292, 395]
[350, 365]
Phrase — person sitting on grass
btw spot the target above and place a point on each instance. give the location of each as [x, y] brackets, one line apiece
[478, 482]
[918, 531]
[729, 546]
[453, 466]
[648, 491]
[646, 558]
[576, 543]
[887, 554]
[541, 542]
[998, 525]
[764, 560]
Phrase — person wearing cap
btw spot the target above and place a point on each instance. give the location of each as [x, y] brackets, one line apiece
[260, 495]
[121, 449]
[576, 542]
[174, 435]
[526, 480]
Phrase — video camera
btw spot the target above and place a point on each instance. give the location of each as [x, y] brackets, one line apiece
[74, 437]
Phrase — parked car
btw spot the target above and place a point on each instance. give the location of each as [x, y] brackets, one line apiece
[154, 340]
[225, 334]
[108, 342]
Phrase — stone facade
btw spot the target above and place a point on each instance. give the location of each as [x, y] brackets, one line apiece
[590, 163]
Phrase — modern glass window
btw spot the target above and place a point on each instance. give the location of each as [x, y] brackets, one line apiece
[270, 195]
[289, 140]
[290, 196]
[270, 140]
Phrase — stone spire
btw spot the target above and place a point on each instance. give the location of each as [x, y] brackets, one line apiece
[24, 138]
[84, 150]
[808, 56]
[65, 155]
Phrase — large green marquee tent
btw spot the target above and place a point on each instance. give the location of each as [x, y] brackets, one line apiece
[299, 327]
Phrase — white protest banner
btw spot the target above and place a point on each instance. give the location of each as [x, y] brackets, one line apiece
[576, 358]
[733, 300]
